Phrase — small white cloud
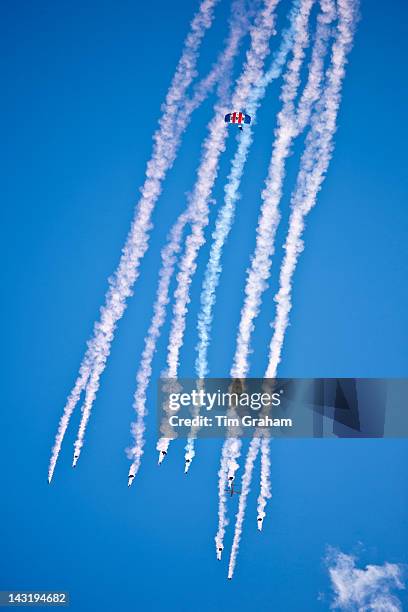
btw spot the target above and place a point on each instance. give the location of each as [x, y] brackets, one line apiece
[363, 590]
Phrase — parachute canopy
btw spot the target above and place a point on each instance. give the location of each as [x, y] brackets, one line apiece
[237, 117]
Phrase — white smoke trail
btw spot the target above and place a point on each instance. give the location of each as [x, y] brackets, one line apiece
[169, 256]
[245, 488]
[259, 271]
[213, 147]
[265, 492]
[314, 164]
[207, 173]
[226, 215]
[312, 90]
[227, 212]
[241, 16]
[269, 219]
[164, 152]
[310, 95]
[293, 124]
[219, 538]
[72, 401]
[308, 98]
[238, 28]
[239, 99]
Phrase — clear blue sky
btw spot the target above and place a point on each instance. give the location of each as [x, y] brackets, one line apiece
[82, 87]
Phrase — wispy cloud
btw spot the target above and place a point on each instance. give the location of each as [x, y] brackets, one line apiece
[363, 589]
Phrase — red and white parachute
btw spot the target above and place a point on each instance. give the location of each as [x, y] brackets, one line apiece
[238, 118]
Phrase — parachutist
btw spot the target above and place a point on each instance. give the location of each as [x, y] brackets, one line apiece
[162, 455]
[238, 118]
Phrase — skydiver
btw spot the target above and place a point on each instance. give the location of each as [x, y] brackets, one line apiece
[162, 456]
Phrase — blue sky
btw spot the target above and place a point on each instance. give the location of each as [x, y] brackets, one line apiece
[84, 83]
